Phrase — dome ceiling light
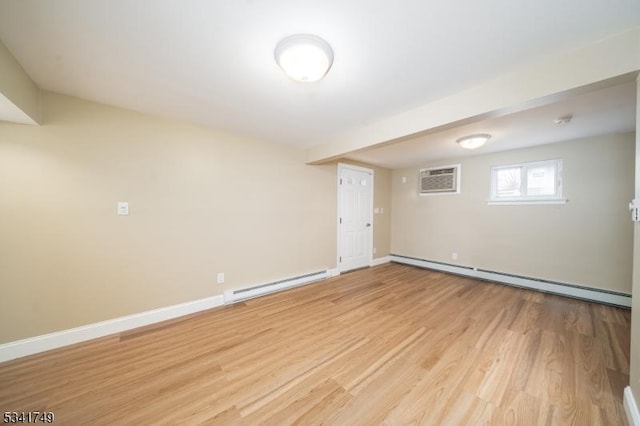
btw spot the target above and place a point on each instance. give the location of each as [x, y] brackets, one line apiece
[304, 57]
[565, 119]
[473, 141]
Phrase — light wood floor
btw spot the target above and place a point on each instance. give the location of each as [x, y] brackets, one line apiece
[387, 345]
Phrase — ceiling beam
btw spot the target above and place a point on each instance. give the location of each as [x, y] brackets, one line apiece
[610, 60]
[19, 95]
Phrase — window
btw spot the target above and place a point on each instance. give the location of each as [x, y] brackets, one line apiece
[527, 183]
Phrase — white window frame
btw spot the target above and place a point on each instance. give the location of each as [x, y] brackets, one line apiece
[527, 199]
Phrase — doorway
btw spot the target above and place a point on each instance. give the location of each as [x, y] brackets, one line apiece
[355, 217]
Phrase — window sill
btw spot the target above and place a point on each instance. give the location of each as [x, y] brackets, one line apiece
[519, 202]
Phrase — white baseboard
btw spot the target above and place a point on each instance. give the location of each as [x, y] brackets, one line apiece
[46, 342]
[578, 292]
[631, 408]
[381, 261]
[333, 272]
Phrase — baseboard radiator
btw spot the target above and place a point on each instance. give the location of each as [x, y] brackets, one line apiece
[569, 290]
[233, 296]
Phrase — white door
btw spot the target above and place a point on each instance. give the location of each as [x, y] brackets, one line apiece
[355, 217]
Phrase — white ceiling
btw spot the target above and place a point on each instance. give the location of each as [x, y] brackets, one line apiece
[608, 110]
[211, 61]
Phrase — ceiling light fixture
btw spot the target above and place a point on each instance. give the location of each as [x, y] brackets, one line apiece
[473, 141]
[304, 57]
[563, 120]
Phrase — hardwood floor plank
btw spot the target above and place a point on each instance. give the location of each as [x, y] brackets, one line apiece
[397, 381]
[467, 409]
[525, 320]
[521, 409]
[545, 377]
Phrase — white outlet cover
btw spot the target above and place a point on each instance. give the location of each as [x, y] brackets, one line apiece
[123, 208]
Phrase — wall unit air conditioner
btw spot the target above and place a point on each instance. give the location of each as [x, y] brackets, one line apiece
[440, 180]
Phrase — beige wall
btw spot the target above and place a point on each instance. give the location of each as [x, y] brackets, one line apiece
[381, 200]
[201, 202]
[382, 221]
[587, 241]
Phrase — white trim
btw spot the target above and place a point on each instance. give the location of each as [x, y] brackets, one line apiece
[594, 294]
[631, 408]
[352, 167]
[339, 205]
[381, 260]
[333, 272]
[58, 339]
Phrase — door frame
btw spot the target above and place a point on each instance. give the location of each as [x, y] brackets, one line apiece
[342, 166]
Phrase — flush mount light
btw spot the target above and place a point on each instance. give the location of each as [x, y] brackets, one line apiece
[473, 141]
[304, 57]
[563, 120]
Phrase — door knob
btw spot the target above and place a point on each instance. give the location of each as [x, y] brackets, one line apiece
[368, 224]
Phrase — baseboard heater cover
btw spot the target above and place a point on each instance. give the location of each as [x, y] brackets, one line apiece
[233, 296]
[569, 290]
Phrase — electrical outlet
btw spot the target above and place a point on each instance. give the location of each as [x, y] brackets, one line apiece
[374, 250]
[454, 256]
[220, 277]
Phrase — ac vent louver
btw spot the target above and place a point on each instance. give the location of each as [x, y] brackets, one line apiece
[441, 180]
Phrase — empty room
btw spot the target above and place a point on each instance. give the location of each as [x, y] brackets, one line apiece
[337, 212]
